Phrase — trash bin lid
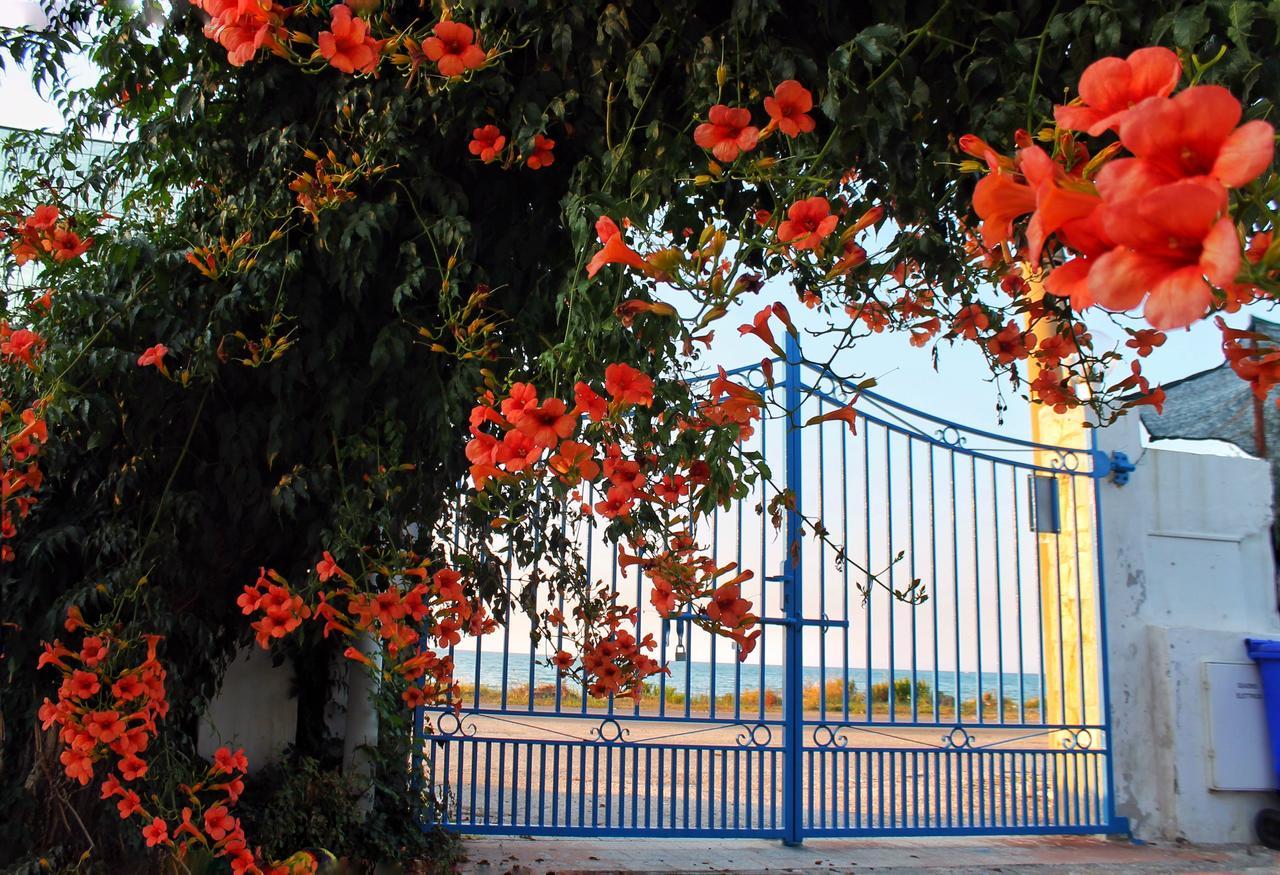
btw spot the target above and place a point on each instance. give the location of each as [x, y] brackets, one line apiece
[1262, 648]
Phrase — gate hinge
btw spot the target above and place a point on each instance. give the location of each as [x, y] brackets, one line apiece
[1116, 466]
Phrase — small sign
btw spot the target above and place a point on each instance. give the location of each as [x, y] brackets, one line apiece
[1044, 504]
[1239, 750]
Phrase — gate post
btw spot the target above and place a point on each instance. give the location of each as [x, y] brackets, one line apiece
[793, 610]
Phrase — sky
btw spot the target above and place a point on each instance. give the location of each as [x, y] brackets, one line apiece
[21, 106]
[960, 389]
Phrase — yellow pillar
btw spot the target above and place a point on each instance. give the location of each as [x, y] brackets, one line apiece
[1072, 693]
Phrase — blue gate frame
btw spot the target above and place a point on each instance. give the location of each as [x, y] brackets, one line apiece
[802, 741]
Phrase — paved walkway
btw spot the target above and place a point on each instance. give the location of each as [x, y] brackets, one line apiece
[1032, 856]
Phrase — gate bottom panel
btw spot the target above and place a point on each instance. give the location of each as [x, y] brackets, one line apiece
[884, 791]
[531, 786]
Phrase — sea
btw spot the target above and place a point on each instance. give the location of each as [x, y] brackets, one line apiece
[694, 678]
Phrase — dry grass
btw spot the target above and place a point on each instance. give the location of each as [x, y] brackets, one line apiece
[834, 693]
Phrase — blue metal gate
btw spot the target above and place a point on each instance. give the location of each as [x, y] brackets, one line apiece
[981, 710]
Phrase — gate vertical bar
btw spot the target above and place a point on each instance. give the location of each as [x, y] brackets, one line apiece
[793, 610]
[1114, 822]
[417, 764]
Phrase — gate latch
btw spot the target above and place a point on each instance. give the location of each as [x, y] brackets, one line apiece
[805, 621]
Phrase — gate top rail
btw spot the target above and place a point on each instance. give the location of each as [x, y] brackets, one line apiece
[945, 433]
[953, 435]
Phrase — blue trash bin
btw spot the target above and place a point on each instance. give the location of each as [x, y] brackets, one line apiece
[1267, 654]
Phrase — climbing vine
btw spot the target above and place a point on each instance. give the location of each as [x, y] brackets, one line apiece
[363, 283]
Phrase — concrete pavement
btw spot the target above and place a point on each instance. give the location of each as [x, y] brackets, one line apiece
[1029, 855]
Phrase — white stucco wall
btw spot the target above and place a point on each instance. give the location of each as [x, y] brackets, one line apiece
[255, 708]
[1188, 570]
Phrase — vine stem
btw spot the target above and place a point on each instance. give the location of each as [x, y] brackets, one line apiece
[1035, 72]
[89, 343]
[186, 445]
[571, 316]
[920, 34]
